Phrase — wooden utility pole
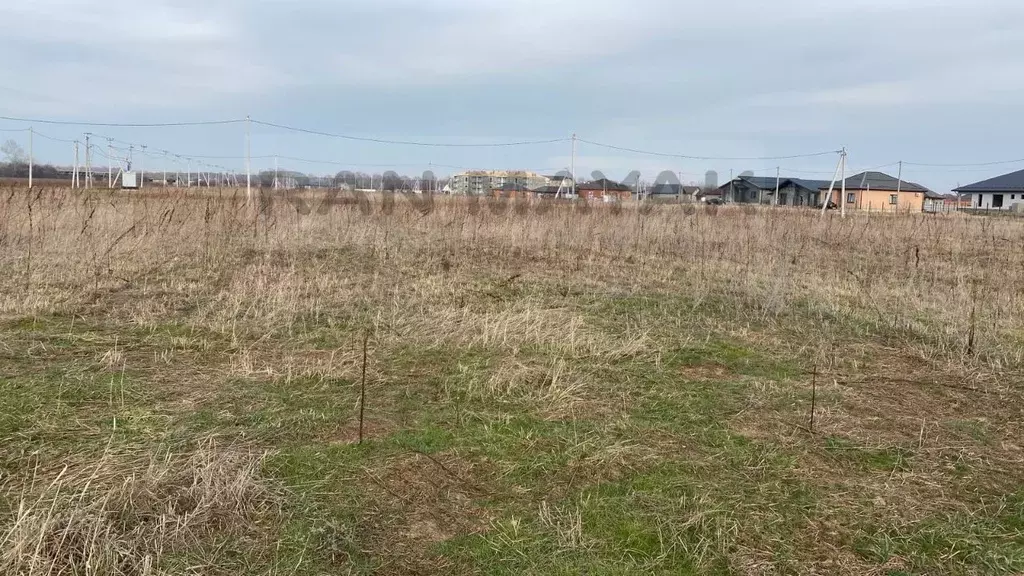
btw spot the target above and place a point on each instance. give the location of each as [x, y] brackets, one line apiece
[778, 181]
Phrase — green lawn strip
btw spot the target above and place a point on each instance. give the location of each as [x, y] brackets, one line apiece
[987, 541]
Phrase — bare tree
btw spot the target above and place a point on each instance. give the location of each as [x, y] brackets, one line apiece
[13, 152]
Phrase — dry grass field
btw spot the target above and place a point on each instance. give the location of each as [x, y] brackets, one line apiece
[553, 390]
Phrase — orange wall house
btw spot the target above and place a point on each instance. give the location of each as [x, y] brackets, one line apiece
[877, 192]
[604, 190]
[881, 200]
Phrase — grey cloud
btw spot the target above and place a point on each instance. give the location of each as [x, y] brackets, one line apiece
[731, 78]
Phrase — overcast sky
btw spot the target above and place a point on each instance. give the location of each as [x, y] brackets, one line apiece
[926, 81]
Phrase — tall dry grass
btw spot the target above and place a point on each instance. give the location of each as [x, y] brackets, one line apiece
[122, 516]
[951, 287]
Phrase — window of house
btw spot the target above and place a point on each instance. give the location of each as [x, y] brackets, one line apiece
[894, 199]
[997, 200]
[851, 198]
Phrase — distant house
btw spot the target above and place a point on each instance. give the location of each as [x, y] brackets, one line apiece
[879, 192]
[801, 192]
[999, 193]
[550, 190]
[958, 201]
[935, 202]
[714, 196]
[749, 189]
[679, 192]
[604, 190]
[665, 190]
[512, 190]
[792, 191]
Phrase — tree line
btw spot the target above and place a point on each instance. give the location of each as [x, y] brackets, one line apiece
[15, 164]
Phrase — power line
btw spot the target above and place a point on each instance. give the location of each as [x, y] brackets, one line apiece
[44, 136]
[978, 164]
[984, 168]
[407, 142]
[688, 157]
[121, 124]
[852, 170]
[335, 163]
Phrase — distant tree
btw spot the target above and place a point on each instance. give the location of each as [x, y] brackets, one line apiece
[46, 171]
[13, 170]
[13, 152]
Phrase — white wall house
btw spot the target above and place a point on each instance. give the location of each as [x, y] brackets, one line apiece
[1004, 192]
[996, 200]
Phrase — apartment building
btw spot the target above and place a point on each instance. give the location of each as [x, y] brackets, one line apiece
[480, 182]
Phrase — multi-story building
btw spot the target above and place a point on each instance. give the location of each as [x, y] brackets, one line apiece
[480, 182]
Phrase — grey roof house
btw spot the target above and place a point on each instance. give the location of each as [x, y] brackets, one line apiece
[801, 192]
[792, 191]
[880, 181]
[878, 191]
[748, 189]
[999, 193]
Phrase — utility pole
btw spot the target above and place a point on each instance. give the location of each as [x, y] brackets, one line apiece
[899, 185]
[248, 159]
[188, 181]
[275, 172]
[110, 162]
[778, 182]
[843, 161]
[832, 186]
[88, 161]
[165, 168]
[142, 168]
[30, 160]
[572, 166]
[74, 172]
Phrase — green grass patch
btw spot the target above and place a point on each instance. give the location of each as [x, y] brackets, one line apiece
[887, 459]
[990, 541]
